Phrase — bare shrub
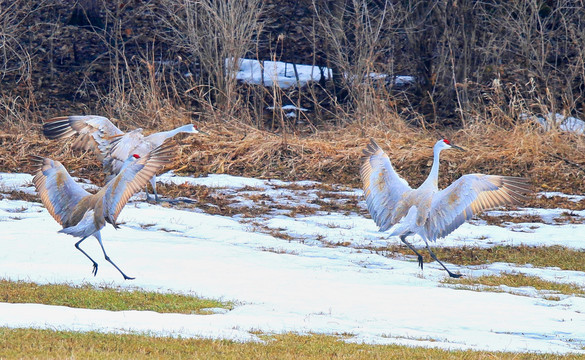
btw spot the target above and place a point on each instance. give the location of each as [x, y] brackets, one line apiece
[473, 57]
[141, 89]
[139, 93]
[545, 40]
[14, 57]
[359, 38]
[17, 108]
[17, 112]
[215, 35]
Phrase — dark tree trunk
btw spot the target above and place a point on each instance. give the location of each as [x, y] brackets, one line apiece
[86, 13]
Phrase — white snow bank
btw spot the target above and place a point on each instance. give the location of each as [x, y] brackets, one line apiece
[268, 73]
[562, 122]
[308, 285]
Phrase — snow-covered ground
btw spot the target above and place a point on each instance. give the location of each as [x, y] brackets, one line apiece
[324, 280]
[563, 123]
[269, 73]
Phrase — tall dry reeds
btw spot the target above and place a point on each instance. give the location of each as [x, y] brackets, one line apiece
[14, 55]
[360, 38]
[142, 88]
[480, 70]
[215, 35]
[16, 63]
[537, 50]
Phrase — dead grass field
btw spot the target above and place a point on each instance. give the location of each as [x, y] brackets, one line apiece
[333, 156]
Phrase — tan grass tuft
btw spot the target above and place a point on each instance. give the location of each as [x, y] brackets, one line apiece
[548, 159]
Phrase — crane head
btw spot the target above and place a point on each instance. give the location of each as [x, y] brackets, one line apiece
[136, 156]
[446, 144]
[195, 130]
[191, 128]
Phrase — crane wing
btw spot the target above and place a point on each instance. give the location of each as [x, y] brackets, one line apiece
[57, 190]
[94, 131]
[468, 196]
[383, 187]
[134, 177]
[121, 147]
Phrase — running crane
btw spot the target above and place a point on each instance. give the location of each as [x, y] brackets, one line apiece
[112, 145]
[83, 214]
[427, 211]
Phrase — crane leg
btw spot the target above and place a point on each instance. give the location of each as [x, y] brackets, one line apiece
[126, 277]
[95, 265]
[420, 258]
[451, 274]
[153, 184]
[148, 198]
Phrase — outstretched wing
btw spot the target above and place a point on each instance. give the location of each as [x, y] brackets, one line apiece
[468, 196]
[122, 147]
[134, 177]
[95, 132]
[58, 192]
[382, 186]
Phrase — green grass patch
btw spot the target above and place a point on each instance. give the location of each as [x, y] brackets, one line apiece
[516, 280]
[539, 256]
[104, 297]
[34, 343]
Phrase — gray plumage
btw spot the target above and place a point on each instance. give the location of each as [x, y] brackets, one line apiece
[427, 211]
[83, 214]
[111, 145]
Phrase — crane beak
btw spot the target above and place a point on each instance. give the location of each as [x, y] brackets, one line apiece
[457, 147]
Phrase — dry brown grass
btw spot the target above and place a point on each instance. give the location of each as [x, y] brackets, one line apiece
[21, 195]
[333, 155]
[555, 202]
[506, 218]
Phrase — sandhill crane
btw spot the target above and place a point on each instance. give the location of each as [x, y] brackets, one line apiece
[83, 214]
[112, 145]
[426, 211]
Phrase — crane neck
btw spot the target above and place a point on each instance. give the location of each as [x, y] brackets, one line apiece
[171, 133]
[158, 138]
[129, 161]
[180, 129]
[185, 128]
[433, 179]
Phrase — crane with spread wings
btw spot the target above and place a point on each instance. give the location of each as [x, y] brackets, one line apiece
[427, 211]
[111, 145]
[83, 214]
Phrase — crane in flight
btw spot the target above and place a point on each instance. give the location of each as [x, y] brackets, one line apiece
[427, 211]
[83, 214]
[111, 145]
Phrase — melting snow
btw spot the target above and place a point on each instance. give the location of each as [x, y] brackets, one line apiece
[325, 280]
[283, 74]
[564, 123]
